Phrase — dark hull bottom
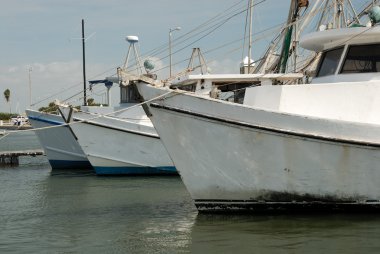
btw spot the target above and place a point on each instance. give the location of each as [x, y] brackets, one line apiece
[104, 171]
[286, 207]
[69, 165]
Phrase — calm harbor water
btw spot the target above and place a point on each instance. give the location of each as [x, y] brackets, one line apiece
[69, 212]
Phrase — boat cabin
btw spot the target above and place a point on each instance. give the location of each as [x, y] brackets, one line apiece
[347, 82]
[228, 87]
[348, 54]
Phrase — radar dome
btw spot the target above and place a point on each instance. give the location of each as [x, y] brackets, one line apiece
[374, 14]
[132, 39]
[148, 65]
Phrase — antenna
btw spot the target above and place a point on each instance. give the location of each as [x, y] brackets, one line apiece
[132, 40]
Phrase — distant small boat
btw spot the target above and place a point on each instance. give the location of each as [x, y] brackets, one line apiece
[19, 121]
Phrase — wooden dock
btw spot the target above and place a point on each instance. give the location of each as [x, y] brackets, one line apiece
[13, 127]
[11, 157]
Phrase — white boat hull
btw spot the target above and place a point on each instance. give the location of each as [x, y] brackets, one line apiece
[237, 158]
[59, 143]
[120, 147]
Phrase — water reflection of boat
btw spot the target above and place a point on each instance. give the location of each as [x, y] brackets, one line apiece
[290, 233]
[313, 147]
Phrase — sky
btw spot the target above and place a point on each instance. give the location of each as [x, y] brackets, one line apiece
[44, 36]
[41, 47]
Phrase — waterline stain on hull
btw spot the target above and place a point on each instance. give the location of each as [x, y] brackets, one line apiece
[307, 207]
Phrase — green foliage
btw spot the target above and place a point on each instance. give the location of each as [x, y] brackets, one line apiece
[51, 108]
[91, 102]
[7, 95]
[5, 116]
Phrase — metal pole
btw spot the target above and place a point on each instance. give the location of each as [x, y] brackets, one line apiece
[354, 11]
[322, 16]
[108, 97]
[295, 44]
[170, 52]
[30, 87]
[335, 14]
[250, 36]
[170, 48]
[84, 67]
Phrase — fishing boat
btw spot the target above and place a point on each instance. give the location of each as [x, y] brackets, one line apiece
[308, 147]
[57, 140]
[124, 141]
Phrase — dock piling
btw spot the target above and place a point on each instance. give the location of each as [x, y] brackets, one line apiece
[11, 158]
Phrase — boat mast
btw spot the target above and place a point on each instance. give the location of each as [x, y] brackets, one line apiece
[321, 20]
[250, 5]
[288, 38]
[295, 43]
[84, 66]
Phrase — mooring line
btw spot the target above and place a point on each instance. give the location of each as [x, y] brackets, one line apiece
[95, 117]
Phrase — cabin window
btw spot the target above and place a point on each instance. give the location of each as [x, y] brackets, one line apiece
[232, 91]
[129, 94]
[189, 87]
[329, 63]
[362, 58]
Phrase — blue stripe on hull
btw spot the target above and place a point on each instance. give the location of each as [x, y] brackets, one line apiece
[63, 164]
[45, 120]
[135, 171]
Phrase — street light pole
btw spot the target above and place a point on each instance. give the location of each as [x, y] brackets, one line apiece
[30, 86]
[170, 48]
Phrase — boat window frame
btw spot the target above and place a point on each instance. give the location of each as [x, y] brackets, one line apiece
[339, 63]
[236, 88]
[132, 94]
[346, 54]
[189, 87]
